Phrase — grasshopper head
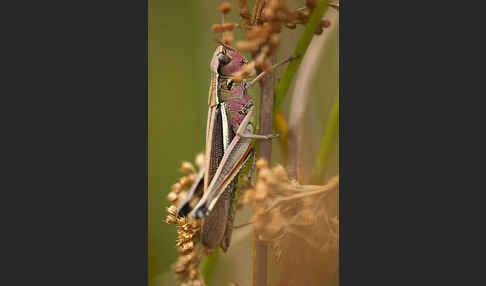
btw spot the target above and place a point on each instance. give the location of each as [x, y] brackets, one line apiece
[227, 61]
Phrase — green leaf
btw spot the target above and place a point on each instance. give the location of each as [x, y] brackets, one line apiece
[327, 143]
[301, 48]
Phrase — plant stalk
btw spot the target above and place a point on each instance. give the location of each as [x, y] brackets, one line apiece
[265, 152]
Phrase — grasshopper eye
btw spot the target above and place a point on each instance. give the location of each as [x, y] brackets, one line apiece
[224, 59]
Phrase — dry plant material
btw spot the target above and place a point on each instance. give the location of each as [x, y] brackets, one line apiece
[188, 230]
[283, 207]
[225, 7]
[262, 30]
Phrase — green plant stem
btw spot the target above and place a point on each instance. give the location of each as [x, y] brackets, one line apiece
[301, 48]
[326, 144]
[207, 266]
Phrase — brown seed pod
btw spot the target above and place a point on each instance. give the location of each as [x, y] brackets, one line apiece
[225, 7]
[273, 27]
[311, 4]
[228, 27]
[170, 219]
[172, 197]
[187, 168]
[260, 60]
[172, 210]
[291, 25]
[185, 181]
[281, 16]
[256, 32]
[176, 188]
[251, 46]
[244, 13]
[301, 17]
[325, 23]
[217, 28]
[200, 160]
[268, 14]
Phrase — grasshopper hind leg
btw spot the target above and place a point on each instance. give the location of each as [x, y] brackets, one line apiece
[225, 243]
[215, 224]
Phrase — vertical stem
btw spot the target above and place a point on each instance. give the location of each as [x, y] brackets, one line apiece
[264, 152]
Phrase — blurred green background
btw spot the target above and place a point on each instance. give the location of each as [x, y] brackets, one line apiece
[180, 46]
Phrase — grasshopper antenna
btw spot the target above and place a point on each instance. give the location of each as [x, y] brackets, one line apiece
[226, 45]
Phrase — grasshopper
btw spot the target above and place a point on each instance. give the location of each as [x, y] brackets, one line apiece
[229, 136]
[216, 226]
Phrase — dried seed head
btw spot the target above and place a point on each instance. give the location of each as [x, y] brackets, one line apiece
[273, 27]
[301, 16]
[178, 268]
[281, 16]
[260, 60]
[261, 193]
[260, 164]
[172, 210]
[217, 28]
[282, 206]
[225, 7]
[256, 32]
[185, 181]
[187, 246]
[275, 225]
[200, 160]
[187, 168]
[188, 229]
[172, 197]
[274, 40]
[277, 252]
[280, 173]
[244, 72]
[176, 187]
[182, 195]
[228, 40]
[311, 4]
[251, 46]
[325, 23]
[228, 27]
[170, 219]
[193, 273]
[244, 13]
[291, 25]
[268, 13]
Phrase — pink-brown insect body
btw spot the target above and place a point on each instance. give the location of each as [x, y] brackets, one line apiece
[222, 120]
[238, 105]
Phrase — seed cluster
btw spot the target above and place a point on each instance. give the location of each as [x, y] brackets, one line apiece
[283, 206]
[188, 230]
[263, 29]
